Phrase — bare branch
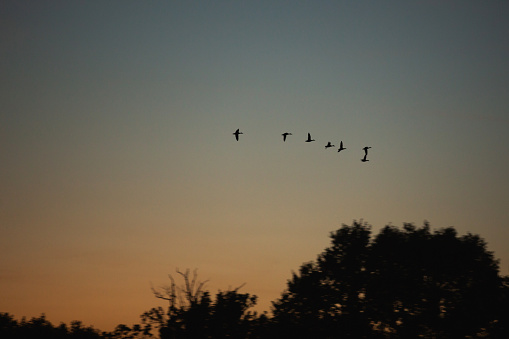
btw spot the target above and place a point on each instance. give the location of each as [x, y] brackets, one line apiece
[184, 296]
[238, 288]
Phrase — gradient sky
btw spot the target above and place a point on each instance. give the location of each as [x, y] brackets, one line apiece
[118, 163]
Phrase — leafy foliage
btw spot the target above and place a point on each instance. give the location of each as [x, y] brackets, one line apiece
[403, 283]
[40, 327]
[192, 313]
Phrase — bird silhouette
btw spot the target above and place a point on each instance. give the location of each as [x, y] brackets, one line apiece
[329, 145]
[309, 138]
[285, 134]
[237, 134]
[365, 153]
[341, 147]
[366, 150]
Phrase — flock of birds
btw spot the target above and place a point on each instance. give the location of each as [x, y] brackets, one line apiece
[341, 148]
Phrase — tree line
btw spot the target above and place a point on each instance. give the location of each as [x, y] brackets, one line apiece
[407, 282]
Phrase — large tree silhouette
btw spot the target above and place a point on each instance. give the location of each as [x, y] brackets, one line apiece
[403, 283]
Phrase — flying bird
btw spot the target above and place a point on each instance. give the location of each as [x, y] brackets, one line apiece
[285, 134]
[366, 150]
[365, 153]
[309, 138]
[341, 147]
[329, 145]
[237, 134]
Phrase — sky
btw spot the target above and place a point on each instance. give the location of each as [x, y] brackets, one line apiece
[118, 163]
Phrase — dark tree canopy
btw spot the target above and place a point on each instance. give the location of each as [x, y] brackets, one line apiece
[40, 327]
[192, 313]
[403, 283]
[407, 282]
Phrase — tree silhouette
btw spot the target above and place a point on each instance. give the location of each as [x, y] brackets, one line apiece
[122, 331]
[192, 313]
[40, 327]
[404, 283]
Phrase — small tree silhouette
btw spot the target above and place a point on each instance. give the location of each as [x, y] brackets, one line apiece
[192, 313]
[40, 327]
